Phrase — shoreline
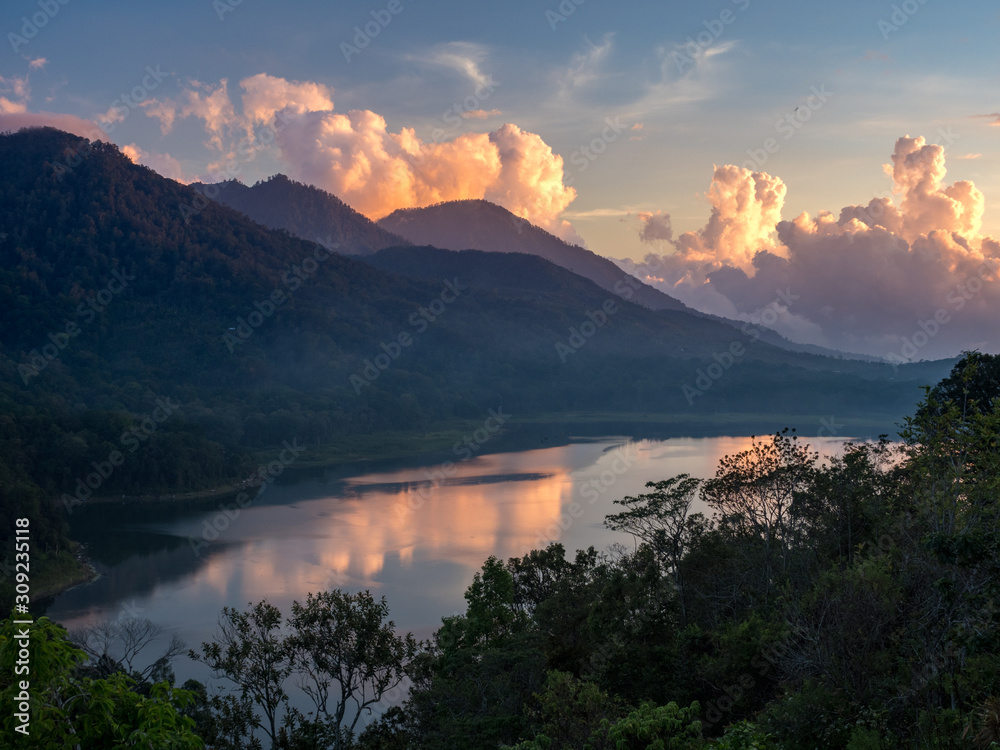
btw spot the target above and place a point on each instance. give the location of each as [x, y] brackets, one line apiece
[547, 430]
[368, 449]
[53, 583]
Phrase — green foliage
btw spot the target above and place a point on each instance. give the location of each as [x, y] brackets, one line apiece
[491, 616]
[68, 710]
[652, 727]
[572, 714]
[745, 735]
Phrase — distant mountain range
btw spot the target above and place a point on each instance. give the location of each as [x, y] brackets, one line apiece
[310, 213]
[121, 291]
[305, 211]
[481, 225]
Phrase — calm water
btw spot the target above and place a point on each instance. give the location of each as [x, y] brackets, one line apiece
[408, 532]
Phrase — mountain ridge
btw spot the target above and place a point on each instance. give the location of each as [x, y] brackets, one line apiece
[306, 211]
[478, 224]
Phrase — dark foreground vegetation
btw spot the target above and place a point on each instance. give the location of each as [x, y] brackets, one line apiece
[846, 605]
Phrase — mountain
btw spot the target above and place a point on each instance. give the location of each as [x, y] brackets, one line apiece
[528, 278]
[481, 225]
[124, 296]
[305, 211]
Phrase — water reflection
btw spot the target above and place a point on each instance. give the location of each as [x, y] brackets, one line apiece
[415, 534]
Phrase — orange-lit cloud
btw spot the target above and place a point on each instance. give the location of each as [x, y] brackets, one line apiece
[530, 183]
[995, 116]
[265, 95]
[746, 207]
[356, 156]
[15, 94]
[863, 280]
[480, 114]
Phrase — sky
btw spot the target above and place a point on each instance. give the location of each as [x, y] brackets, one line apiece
[711, 147]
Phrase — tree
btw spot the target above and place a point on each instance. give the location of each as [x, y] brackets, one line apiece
[661, 520]
[849, 503]
[573, 714]
[491, 616]
[344, 640]
[251, 652]
[73, 712]
[753, 493]
[115, 645]
[973, 384]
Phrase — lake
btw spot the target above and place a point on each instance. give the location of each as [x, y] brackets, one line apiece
[413, 531]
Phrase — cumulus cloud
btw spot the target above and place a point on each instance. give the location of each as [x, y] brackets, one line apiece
[264, 96]
[355, 156]
[530, 183]
[907, 279]
[746, 206]
[655, 227]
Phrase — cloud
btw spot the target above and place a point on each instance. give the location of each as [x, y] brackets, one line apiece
[266, 95]
[598, 213]
[480, 114]
[873, 278]
[163, 164]
[995, 116]
[586, 68]
[746, 206]
[462, 57]
[210, 104]
[213, 107]
[38, 63]
[15, 94]
[165, 111]
[530, 183]
[10, 107]
[970, 156]
[14, 121]
[356, 157]
[655, 227]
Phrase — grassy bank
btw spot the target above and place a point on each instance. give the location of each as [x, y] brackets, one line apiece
[50, 575]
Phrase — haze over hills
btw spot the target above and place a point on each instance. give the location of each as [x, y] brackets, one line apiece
[481, 225]
[313, 214]
[305, 211]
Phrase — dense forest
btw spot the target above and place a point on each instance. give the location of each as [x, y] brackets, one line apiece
[848, 604]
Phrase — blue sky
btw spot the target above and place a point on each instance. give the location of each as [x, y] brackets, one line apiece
[642, 101]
